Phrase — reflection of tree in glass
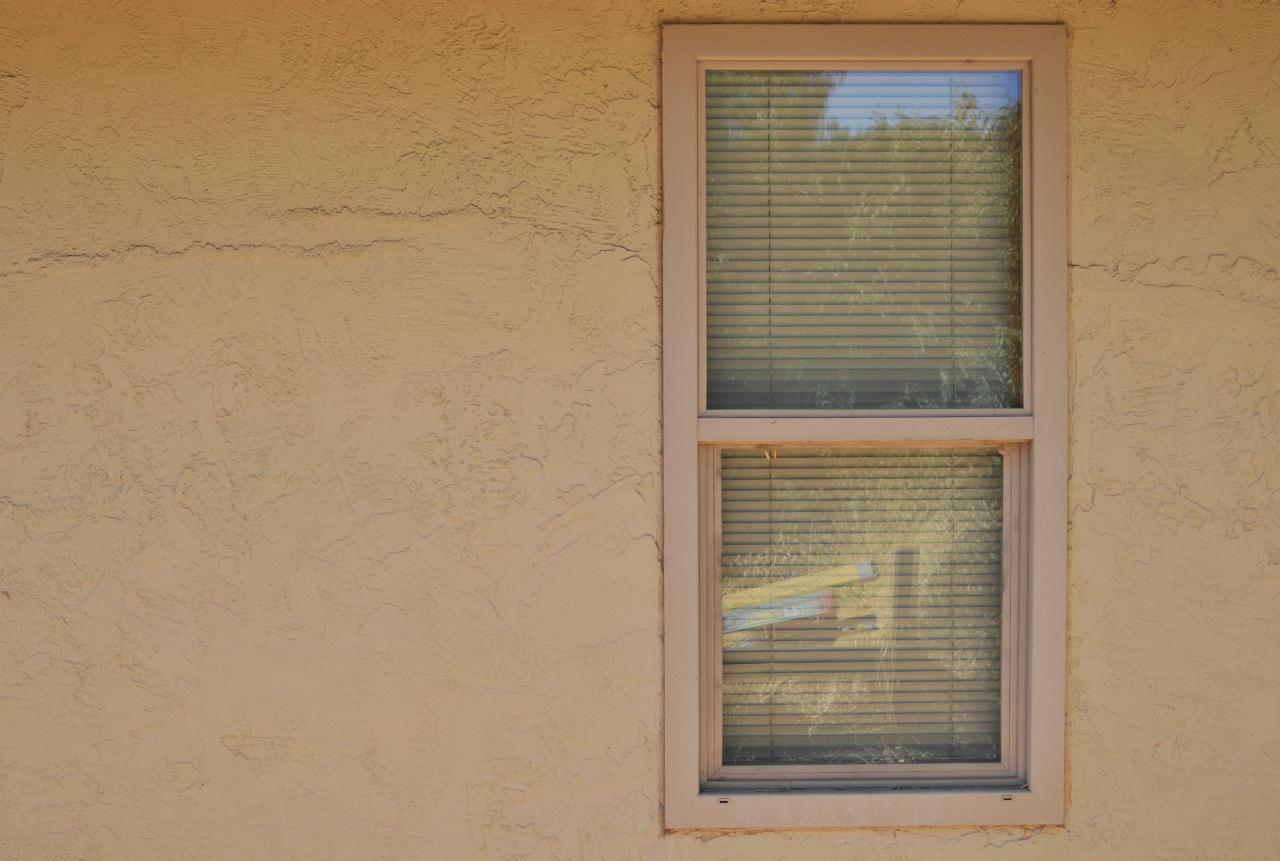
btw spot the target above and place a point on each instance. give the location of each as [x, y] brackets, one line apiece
[888, 248]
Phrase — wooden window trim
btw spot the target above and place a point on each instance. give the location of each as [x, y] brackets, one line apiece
[1038, 431]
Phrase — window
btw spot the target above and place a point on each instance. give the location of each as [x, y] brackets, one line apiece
[864, 424]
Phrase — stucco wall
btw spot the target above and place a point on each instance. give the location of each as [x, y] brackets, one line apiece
[329, 432]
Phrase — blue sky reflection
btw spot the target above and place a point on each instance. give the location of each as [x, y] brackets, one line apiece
[859, 98]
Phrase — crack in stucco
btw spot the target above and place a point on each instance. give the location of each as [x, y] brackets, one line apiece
[330, 247]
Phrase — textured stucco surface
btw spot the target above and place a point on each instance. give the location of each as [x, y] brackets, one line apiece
[329, 432]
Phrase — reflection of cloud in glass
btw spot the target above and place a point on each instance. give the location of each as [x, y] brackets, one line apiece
[859, 98]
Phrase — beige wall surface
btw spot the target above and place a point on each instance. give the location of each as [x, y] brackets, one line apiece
[329, 432]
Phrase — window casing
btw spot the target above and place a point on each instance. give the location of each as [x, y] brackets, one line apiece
[986, 465]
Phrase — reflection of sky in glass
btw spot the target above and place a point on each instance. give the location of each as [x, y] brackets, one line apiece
[860, 97]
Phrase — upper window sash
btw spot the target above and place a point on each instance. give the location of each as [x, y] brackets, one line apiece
[918, 261]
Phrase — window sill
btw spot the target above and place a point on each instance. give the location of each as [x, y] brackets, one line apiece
[862, 809]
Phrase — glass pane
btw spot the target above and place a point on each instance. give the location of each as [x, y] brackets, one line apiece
[863, 235]
[861, 593]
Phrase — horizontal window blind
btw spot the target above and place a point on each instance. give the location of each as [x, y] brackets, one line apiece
[863, 239]
[861, 595]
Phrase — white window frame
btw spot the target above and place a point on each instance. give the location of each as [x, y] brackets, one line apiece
[1031, 788]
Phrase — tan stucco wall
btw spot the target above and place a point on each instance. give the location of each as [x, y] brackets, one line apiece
[329, 438]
